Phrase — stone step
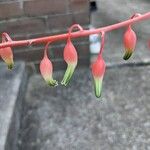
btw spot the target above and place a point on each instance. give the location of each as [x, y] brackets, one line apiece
[12, 86]
[72, 118]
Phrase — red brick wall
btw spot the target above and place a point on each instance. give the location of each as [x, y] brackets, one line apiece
[24, 19]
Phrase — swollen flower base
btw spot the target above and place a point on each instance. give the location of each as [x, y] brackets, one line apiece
[129, 41]
[46, 69]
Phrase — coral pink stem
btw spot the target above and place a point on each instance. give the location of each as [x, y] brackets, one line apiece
[73, 27]
[46, 49]
[5, 37]
[75, 34]
[102, 45]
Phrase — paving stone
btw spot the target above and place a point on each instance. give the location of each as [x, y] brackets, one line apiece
[72, 118]
[11, 87]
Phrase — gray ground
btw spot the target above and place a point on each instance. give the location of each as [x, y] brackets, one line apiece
[10, 92]
[73, 119]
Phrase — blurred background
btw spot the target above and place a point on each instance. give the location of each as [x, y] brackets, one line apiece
[34, 116]
[23, 19]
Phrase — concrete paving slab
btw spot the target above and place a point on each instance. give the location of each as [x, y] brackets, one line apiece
[72, 118]
[10, 90]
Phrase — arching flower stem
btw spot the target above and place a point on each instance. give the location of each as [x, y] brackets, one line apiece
[59, 37]
[46, 48]
[102, 44]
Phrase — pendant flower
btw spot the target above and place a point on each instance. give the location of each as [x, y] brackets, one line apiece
[6, 53]
[98, 71]
[70, 57]
[129, 41]
[46, 69]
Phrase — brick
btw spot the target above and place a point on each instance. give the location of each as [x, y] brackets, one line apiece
[83, 49]
[79, 6]
[60, 21]
[63, 22]
[10, 9]
[29, 55]
[18, 37]
[39, 7]
[81, 18]
[23, 26]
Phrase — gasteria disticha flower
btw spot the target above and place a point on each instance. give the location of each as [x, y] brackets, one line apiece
[46, 69]
[71, 58]
[98, 71]
[129, 41]
[7, 54]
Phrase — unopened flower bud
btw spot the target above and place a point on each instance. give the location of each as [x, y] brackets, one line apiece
[71, 58]
[98, 71]
[129, 41]
[46, 69]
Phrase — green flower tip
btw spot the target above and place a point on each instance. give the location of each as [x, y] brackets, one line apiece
[68, 74]
[98, 87]
[10, 66]
[127, 55]
[52, 82]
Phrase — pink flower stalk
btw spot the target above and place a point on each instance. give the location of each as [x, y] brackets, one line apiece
[98, 71]
[6, 53]
[46, 69]
[129, 41]
[71, 58]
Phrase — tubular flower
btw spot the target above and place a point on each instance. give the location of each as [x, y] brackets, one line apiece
[7, 54]
[98, 71]
[71, 58]
[129, 41]
[46, 69]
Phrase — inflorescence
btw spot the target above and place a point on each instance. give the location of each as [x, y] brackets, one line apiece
[70, 54]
